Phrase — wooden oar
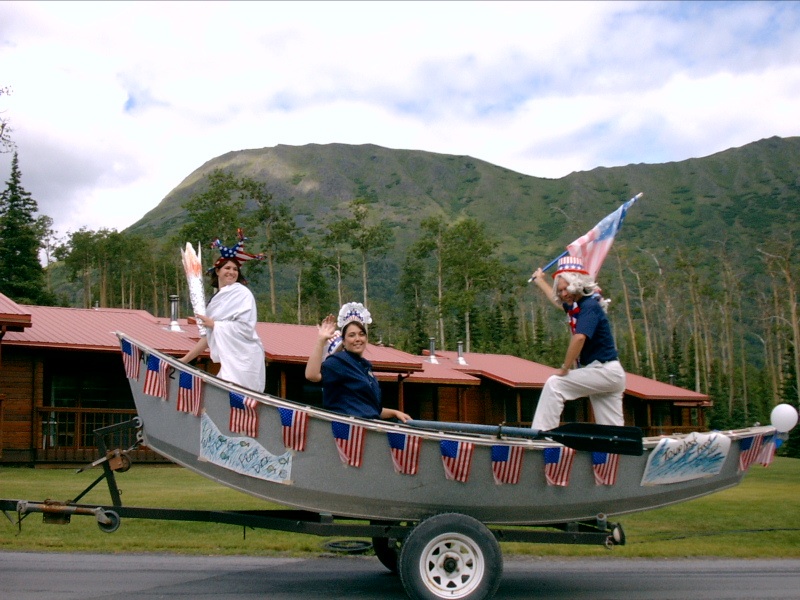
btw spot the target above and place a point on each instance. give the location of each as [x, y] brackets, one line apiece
[580, 436]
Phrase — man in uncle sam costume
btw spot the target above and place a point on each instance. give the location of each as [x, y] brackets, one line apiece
[337, 360]
[591, 366]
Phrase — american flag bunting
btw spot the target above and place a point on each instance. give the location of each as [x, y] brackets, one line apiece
[155, 382]
[506, 463]
[606, 467]
[767, 453]
[749, 449]
[457, 459]
[190, 392]
[244, 417]
[349, 442]
[131, 357]
[405, 452]
[558, 465]
[295, 425]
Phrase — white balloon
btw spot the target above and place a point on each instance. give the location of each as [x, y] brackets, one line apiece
[783, 417]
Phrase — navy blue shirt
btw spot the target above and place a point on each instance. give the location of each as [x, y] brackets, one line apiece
[349, 387]
[591, 321]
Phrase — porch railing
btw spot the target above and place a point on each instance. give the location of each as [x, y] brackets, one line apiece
[67, 434]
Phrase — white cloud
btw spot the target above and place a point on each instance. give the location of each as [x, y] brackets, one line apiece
[115, 103]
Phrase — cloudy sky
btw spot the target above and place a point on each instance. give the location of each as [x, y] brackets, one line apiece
[113, 104]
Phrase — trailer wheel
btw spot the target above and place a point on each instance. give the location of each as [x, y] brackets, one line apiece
[450, 556]
[388, 552]
[113, 522]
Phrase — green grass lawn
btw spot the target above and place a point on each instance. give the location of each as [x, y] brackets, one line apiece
[758, 519]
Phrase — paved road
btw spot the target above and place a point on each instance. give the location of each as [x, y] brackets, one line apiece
[37, 576]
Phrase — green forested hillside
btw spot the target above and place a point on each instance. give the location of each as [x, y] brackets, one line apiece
[702, 277]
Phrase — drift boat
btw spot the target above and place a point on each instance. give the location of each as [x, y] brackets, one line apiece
[305, 457]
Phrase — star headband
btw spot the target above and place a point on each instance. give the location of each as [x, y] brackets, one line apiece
[353, 311]
[235, 252]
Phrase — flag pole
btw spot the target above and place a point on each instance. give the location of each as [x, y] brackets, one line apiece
[551, 263]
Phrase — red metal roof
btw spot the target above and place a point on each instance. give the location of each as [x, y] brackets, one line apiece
[650, 389]
[12, 315]
[288, 343]
[93, 329]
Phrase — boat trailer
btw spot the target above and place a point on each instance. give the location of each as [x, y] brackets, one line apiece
[452, 543]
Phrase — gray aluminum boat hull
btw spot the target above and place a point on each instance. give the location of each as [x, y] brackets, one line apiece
[319, 480]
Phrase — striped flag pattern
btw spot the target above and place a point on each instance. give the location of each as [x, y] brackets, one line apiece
[131, 357]
[767, 451]
[558, 465]
[244, 418]
[405, 452]
[749, 449]
[349, 442]
[190, 391]
[155, 382]
[506, 463]
[457, 459]
[606, 467]
[295, 425]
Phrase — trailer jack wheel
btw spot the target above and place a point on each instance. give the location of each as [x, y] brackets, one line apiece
[451, 556]
[108, 521]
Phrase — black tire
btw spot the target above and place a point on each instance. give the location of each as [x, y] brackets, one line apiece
[451, 556]
[388, 552]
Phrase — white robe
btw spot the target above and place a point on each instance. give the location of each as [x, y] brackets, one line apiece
[233, 340]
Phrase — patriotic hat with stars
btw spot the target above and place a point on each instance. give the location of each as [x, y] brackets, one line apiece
[570, 264]
[235, 252]
[353, 311]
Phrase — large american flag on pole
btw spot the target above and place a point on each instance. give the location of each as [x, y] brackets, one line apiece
[155, 382]
[190, 391]
[457, 459]
[749, 449]
[606, 467]
[506, 463]
[595, 244]
[558, 465]
[131, 357]
[244, 417]
[349, 442]
[405, 452]
[295, 425]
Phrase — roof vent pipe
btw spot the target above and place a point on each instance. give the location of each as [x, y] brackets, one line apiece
[173, 313]
[432, 357]
[461, 359]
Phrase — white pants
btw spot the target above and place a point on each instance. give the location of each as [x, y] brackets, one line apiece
[603, 383]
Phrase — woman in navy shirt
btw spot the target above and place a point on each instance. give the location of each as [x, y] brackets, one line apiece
[348, 384]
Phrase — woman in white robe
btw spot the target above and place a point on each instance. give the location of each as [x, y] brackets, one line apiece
[231, 330]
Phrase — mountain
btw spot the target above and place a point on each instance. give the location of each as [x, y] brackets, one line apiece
[740, 196]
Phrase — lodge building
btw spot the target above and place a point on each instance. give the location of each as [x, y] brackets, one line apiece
[62, 377]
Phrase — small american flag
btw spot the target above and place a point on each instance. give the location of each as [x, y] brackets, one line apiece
[349, 442]
[506, 463]
[244, 418]
[749, 449]
[295, 425]
[405, 452]
[606, 467]
[767, 451]
[190, 391]
[457, 459]
[131, 357]
[155, 382]
[558, 465]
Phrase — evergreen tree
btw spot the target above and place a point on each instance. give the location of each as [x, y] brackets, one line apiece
[790, 395]
[21, 275]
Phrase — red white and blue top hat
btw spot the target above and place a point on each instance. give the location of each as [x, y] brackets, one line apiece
[570, 264]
